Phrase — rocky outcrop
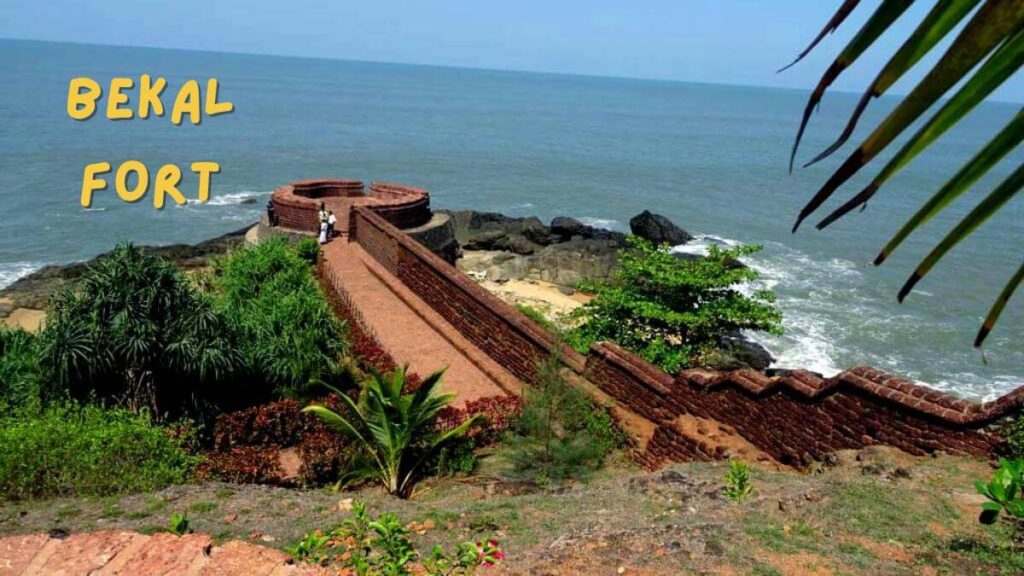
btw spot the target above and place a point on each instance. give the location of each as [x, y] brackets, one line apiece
[658, 229]
[34, 291]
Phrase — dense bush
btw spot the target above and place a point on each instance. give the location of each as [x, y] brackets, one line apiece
[673, 311]
[87, 450]
[134, 329]
[561, 433]
[247, 443]
[1013, 433]
[288, 339]
[21, 378]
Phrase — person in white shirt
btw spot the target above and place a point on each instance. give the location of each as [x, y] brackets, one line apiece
[331, 221]
[323, 232]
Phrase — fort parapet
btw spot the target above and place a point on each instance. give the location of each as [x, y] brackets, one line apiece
[794, 418]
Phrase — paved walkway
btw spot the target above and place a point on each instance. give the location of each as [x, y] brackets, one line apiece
[134, 554]
[411, 331]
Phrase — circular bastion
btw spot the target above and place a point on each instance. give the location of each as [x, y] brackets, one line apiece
[297, 207]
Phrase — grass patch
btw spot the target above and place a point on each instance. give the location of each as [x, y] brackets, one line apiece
[203, 507]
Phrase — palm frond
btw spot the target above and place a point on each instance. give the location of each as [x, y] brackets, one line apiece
[993, 73]
[982, 212]
[991, 25]
[880, 20]
[997, 307]
[833, 23]
[986, 52]
[1008, 139]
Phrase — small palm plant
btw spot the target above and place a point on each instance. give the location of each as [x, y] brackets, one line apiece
[396, 431]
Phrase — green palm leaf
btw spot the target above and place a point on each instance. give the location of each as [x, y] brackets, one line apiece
[997, 307]
[942, 18]
[833, 23]
[883, 17]
[994, 34]
[994, 151]
[1000, 67]
[991, 25]
[982, 212]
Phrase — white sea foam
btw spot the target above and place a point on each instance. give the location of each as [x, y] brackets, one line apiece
[603, 223]
[231, 198]
[11, 271]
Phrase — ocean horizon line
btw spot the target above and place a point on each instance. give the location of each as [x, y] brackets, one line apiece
[576, 75]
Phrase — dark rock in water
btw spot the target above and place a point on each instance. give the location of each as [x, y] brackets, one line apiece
[658, 229]
[568, 227]
[515, 243]
[535, 231]
[736, 352]
[248, 201]
[732, 262]
[485, 240]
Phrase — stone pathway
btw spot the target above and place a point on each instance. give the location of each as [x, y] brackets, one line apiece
[134, 554]
[411, 331]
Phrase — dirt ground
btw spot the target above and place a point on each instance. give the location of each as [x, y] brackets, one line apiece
[873, 512]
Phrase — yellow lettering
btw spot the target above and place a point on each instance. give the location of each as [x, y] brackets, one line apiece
[149, 96]
[121, 181]
[90, 183]
[187, 101]
[82, 105]
[116, 98]
[212, 106]
[167, 180]
[205, 169]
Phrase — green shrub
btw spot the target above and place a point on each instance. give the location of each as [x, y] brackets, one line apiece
[308, 249]
[561, 433]
[134, 329]
[21, 378]
[458, 458]
[1013, 433]
[673, 311]
[382, 547]
[737, 481]
[289, 339]
[87, 450]
[538, 317]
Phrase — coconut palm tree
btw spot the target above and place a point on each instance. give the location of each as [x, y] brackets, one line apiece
[988, 50]
[395, 431]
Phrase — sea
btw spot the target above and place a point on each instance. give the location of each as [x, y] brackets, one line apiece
[713, 158]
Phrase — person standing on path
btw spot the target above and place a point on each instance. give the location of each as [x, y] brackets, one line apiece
[323, 232]
[331, 221]
[271, 214]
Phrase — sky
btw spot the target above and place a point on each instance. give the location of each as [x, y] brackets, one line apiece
[714, 41]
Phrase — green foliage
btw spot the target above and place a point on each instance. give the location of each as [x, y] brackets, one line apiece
[308, 249]
[1003, 492]
[87, 450]
[382, 547]
[561, 433]
[1013, 432]
[673, 311]
[457, 458]
[396, 431]
[289, 339]
[134, 329]
[737, 481]
[178, 525]
[21, 378]
[538, 317]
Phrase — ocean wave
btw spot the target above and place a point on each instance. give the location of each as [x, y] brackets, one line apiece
[12, 271]
[603, 223]
[231, 198]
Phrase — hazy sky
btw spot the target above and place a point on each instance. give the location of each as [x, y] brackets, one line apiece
[720, 41]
